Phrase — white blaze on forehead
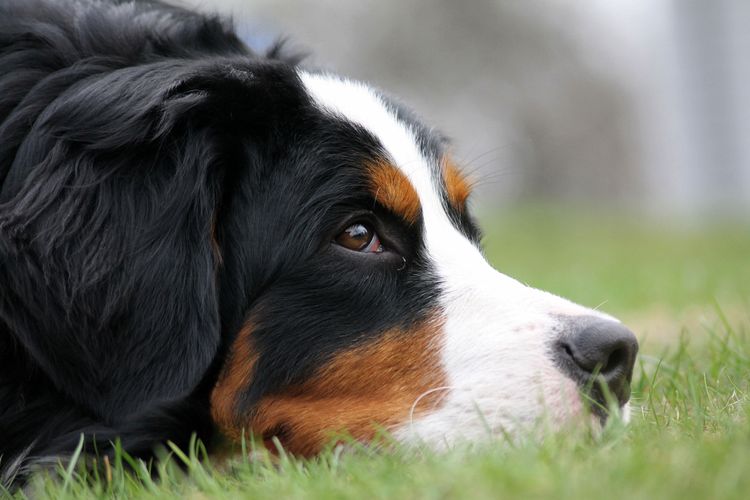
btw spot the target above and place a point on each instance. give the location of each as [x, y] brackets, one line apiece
[359, 104]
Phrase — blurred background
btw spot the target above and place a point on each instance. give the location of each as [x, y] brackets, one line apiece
[610, 139]
[639, 103]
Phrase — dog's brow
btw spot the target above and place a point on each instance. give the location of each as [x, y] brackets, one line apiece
[392, 189]
[457, 186]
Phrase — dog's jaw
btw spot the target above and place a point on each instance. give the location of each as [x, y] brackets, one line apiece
[501, 374]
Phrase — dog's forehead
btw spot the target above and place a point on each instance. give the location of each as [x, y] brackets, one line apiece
[415, 152]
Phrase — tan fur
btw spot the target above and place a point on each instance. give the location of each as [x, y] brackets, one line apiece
[369, 387]
[235, 377]
[457, 185]
[392, 189]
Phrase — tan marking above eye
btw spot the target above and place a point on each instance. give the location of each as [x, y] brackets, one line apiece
[392, 189]
[360, 390]
[457, 185]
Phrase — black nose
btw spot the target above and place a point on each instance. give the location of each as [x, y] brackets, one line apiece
[595, 346]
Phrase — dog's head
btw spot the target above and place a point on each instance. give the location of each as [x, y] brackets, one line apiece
[179, 214]
[369, 303]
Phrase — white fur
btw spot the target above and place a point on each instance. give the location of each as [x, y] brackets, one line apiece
[497, 330]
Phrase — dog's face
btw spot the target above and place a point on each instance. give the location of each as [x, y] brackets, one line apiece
[366, 300]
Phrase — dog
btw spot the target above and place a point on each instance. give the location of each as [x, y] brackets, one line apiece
[198, 239]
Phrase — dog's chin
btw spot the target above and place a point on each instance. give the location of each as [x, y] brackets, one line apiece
[481, 414]
[554, 408]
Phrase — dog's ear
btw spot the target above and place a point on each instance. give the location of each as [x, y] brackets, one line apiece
[107, 249]
[142, 104]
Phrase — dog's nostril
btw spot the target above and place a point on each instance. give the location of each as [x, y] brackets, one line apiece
[595, 346]
[567, 350]
[615, 361]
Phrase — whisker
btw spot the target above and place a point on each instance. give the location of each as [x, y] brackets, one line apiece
[421, 396]
[600, 305]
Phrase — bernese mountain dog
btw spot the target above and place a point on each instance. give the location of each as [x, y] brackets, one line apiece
[197, 239]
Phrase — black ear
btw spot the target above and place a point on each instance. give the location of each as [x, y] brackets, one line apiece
[143, 103]
[107, 262]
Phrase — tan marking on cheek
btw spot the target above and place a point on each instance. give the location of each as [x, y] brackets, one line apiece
[457, 185]
[392, 189]
[369, 387]
[235, 378]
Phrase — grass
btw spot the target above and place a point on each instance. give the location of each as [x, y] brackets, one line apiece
[690, 433]
[622, 262]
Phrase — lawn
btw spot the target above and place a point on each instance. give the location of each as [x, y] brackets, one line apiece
[685, 290]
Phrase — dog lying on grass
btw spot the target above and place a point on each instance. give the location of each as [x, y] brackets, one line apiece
[199, 239]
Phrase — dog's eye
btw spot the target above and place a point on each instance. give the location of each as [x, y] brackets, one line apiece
[360, 238]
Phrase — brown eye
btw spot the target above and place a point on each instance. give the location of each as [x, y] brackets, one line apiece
[360, 238]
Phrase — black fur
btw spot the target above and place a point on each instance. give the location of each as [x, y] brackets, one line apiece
[134, 138]
[108, 306]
